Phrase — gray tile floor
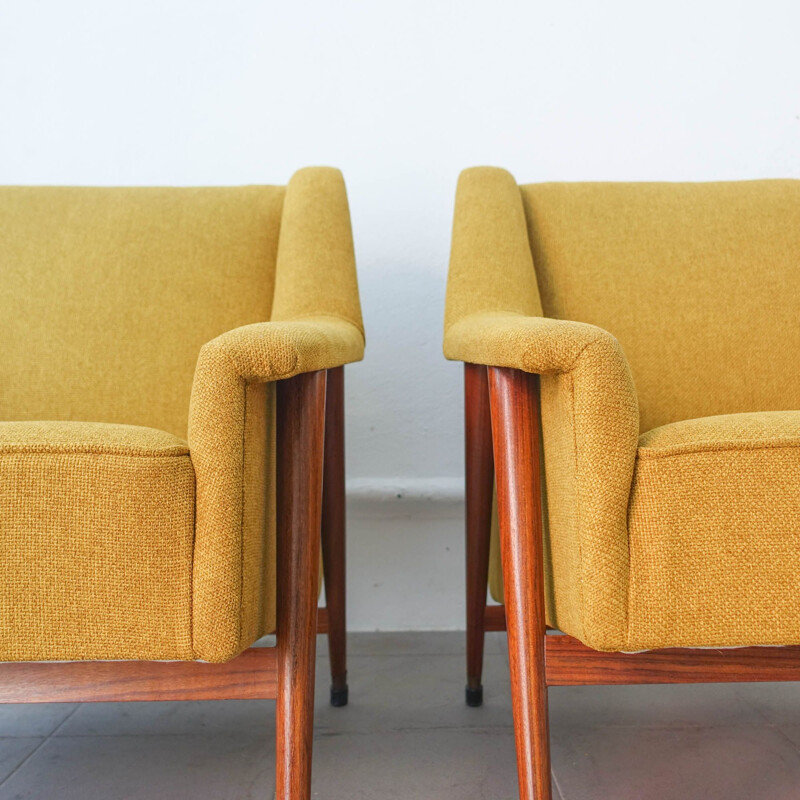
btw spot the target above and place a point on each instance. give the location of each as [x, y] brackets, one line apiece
[407, 734]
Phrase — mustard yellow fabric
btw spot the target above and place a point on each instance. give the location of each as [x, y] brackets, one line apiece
[714, 527]
[96, 523]
[153, 307]
[648, 304]
[109, 293]
[698, 282]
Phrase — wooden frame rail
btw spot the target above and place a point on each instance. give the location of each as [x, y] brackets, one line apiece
[494, 618]
[322, 620]
[250, 676]
[571, 663]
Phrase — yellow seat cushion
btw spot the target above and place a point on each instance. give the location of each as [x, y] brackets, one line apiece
[96, 536]
[714, 531]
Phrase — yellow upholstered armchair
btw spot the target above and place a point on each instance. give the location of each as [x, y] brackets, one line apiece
[166, 356]
[648, 336]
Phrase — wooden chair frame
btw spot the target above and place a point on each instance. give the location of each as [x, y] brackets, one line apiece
[502, 432]
[310, 513]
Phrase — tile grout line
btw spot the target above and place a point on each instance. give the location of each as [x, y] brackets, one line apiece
[770, 723]
[561, 795]
[38, 746]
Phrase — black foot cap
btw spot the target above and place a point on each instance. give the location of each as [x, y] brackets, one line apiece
[339, 696]
[475, 697]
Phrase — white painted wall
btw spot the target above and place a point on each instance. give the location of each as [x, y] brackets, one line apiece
[401, 96]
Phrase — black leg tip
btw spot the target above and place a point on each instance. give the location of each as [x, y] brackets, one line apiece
[474, 697]
[339, 696]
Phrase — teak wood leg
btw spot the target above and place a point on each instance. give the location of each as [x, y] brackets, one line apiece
[515, 413]
[479, 483]
[300, 442]
[333, 534]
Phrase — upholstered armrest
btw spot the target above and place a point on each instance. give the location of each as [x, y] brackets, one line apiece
[533, 344]
[315, 324]
[271, 351]
[589, 408]
[228, 442]
[590, 422]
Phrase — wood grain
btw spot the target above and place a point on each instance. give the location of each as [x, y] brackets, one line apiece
[571, 663]
[494, 618]
[479, 463]
[322, 620]
[514, 400]
[333, 534]
[300, 443]
[250, 676]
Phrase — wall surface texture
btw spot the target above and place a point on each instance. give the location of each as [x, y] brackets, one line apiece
[401, 97]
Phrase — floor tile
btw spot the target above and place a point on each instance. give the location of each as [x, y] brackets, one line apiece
[417, 765]
[32, 719]
[792, 733]
[738, 763]
[685, 705]
[428, 763]
[776, 702]
[212, 717]
[14, 751]
[144, 767]
[411, 692]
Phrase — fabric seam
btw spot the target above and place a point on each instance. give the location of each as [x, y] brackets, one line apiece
[28, 451]
[645, 455]
[578, 515]
[241, 515]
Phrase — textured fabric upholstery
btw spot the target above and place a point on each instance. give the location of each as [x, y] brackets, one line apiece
[698, 282]
[235, 544]
[97, 282]
[639, 305]
[176, 309]
[714, 526]
[97, 525]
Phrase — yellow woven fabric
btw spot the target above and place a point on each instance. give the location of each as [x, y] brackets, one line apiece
[715, 533]
[109, 294]
[670, 270]
[227, 604]
[152, 307]
[699, 282]
[234, 597]
[97, 526]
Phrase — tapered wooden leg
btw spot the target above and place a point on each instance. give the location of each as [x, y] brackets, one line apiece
[333, 534]
[515, 414]
[479, 483]
[300, 441]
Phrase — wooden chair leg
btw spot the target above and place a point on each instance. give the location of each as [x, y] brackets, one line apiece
[515, 413]
[300, 435]
[333, 534]
[479, 484]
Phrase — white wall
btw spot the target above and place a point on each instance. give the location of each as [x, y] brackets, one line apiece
[401, 96]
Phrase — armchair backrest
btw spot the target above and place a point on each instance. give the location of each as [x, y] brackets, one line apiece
[700, 283]
[108, 294]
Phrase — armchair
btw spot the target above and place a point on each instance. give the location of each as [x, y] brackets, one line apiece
[630, 384]
[186, 349]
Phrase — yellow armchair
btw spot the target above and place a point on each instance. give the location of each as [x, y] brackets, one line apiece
[647, 335]
[176, 343]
